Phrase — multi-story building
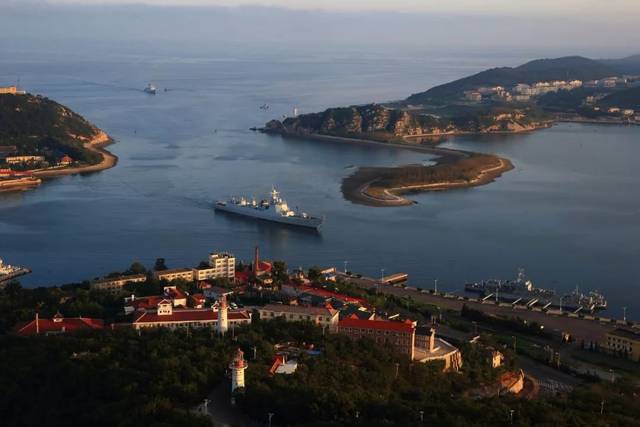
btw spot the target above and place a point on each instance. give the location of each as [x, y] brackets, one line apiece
[8, 90]
[16, 160]
[115, 284]
[174, 274]
[322, 316]
[625, 342]
[166, 316]
[223, 265]
[398, 335]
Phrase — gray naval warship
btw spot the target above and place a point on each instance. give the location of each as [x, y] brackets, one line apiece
[274, 209]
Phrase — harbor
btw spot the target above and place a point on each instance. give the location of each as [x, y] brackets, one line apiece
[590, 327]
[10, 272]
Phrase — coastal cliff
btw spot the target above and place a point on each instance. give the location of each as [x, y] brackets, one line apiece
[40, 138]
[384, 123]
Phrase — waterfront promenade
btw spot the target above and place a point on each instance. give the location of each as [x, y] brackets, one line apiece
[587, 328]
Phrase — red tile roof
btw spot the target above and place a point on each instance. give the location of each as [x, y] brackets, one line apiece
[174, 293]
[146, 303]
[376, 324]
[242, 276]
[72, 324]
[330, 294]
[197, 315]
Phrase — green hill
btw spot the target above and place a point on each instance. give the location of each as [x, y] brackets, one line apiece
[38, 125]
[628, 98]
[628, 65]
[566, 68]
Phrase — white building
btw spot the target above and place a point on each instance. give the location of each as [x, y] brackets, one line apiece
[237, 366]
[222, 265]
[223, 322]
[174, 274]
[321, 316]
[115, 284]
[15, 160]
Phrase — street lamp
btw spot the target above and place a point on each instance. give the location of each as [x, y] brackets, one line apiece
[421, 416]
[271, 414]
[205, 406]
[511, 411]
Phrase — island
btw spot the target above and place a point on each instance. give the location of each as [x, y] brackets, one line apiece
[40, 138]
[500, 100]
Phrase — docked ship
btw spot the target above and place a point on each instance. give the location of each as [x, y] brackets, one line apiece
[8, 272]
[521, 290]
[273, 209]
[19, 183]
[151, 89]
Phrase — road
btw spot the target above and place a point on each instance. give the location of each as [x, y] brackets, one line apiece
[580, 329]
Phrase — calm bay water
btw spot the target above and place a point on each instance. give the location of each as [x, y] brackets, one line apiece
[568, 213]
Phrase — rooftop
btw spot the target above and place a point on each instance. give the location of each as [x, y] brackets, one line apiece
[118, 278]
[189, 315]
[377, 324]
[626, 333]
[299, 309]
[58, 324]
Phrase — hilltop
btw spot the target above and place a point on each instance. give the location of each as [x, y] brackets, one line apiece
[38, 125]
[383, 123]
[42, 138]
[565, 68]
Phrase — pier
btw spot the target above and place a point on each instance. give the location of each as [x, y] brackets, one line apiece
[582, 326]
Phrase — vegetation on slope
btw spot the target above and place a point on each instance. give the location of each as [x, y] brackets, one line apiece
[627, 98]
[566, 68]
[38, 125]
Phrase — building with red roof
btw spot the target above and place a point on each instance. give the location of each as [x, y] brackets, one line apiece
[57, 325]
[165, 315]
[65, 160]
[400, 336]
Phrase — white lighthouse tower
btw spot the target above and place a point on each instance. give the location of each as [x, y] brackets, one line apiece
[237, 366]
[223, 316]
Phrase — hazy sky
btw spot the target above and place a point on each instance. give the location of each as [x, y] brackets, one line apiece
[538, 7]
[600, 28]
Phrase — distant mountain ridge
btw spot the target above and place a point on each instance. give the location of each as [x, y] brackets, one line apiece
[627, 65]
[565, 68]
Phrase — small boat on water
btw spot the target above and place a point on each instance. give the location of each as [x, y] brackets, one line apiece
[151, 89]
[274, 209]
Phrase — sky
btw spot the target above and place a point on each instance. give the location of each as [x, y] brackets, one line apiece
[597, 28]
[537, 7]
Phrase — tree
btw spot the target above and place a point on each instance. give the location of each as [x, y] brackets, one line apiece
[314, 274]
[160, 265]
[137, 268]
[280, 272]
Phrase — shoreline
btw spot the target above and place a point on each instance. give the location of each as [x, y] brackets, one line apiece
[356, 191]
[96, 145]
[391, 196]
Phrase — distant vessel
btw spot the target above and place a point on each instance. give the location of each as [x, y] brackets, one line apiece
[151, 89]
[8, 272]
[522, 290]
[19, 183]
[275, 209]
